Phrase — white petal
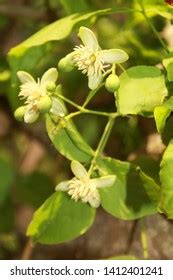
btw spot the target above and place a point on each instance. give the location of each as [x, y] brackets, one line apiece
[30, 116]
[78, 170]
[63, 186]
[104, 181]
[25, 77]
[58, 108]
[94, 81]
[114, 56]
[50, 75]
[88, 38]
[95, 201]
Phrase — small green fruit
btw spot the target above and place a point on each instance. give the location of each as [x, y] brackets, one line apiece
[19, 113]
[112, 83]
[44, 104]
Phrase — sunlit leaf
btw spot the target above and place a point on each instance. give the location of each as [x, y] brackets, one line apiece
[142, 88]
[166, 178]
[60, 219]
[168, 63]
[161, 113]
[156, 7]
[55, 31]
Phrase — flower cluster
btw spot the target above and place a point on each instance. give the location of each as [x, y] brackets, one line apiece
[82, 187]
[37, 95]
[91, 59]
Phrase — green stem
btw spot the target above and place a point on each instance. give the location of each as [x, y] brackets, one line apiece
[121, 67]
[87, 111]
[73, 115]
[113, 68]
[94, 91]
[91, 95]
[144, 240]
[69, 101]
[99, 113]
[153, 27]
[104, 137]
[83, 110]
[103, 141]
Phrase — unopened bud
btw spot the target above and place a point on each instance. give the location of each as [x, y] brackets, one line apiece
[19, 113]
[44, 104]
[66, 64]
[112, 83]
[51, 86]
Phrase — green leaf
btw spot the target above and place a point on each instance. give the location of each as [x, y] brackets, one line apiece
[75, 6]
[68, 141]
[150, 166]
[166, 178]
[6, 178]
[161, 113]
[142, 88]
[55, 31]
[60, 219]
[34, 189]
[157, 7]
[134, 194]
[168, 64]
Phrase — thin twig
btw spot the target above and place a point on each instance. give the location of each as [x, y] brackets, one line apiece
[28, 250]
[131, 236]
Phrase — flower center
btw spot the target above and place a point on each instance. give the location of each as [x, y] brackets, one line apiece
[34, 96]
[90, 63]
[79, 189]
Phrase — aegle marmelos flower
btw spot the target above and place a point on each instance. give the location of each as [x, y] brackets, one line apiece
[37, 99]
[91, 59]
[82, 187]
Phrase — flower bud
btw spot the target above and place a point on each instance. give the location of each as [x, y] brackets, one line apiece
[19, 113]
[44, 104]
[51, 86]
[66, 64]
[112, 83]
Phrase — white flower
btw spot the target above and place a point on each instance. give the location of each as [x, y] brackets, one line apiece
[91, 60]
[81, 187]
[35, 94]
